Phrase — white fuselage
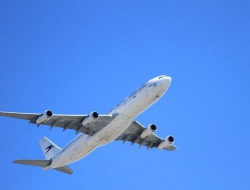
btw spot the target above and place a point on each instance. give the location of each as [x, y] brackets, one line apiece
[126, 112]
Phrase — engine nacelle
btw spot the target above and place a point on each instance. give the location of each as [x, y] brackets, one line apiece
[148, 131]
[90, 118]
[167, 142]
[42, 118]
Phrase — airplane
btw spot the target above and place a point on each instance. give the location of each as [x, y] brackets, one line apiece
[98, 130]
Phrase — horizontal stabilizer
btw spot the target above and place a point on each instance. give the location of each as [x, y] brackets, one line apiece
[64, 169]
[170, 148]
[44, 163]
[41, 163]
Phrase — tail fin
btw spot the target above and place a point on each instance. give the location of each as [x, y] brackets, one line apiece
[49, 148]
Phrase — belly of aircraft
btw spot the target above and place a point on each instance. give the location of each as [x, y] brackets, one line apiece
[86, 144]
[113, 130]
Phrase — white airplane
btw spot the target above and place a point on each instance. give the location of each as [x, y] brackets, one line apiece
[98, 130]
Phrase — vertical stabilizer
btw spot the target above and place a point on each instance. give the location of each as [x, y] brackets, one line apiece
[49, 148]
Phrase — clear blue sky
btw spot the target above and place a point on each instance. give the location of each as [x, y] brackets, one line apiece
[74, 57]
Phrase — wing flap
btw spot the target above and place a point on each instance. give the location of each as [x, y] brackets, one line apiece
[74, 122]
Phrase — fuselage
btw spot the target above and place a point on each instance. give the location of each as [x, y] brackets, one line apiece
[126, 112]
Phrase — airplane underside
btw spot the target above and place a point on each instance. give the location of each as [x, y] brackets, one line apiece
[85, 144]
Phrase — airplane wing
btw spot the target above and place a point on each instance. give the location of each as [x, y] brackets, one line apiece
[73, 122]
[133, 133]
[66, 121]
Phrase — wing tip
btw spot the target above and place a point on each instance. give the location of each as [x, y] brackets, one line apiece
[17, 161]
[171, 148]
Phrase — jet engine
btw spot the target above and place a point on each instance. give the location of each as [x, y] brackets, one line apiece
[42, 118]
[167, 142]
[149, 130]
[90, 118]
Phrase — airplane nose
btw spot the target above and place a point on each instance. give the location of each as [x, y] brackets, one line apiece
[166, 81]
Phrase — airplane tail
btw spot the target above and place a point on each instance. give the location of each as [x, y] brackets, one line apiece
[49, 148]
